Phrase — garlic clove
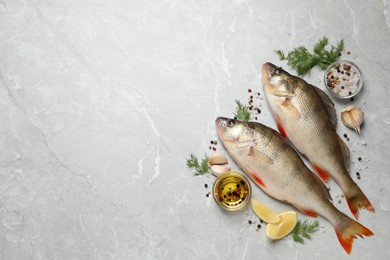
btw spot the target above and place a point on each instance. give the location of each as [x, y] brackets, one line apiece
[352, 117]
[217, 159]
[218, 169]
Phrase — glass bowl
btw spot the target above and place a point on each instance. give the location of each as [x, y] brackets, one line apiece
[232, 191]
[343, 79]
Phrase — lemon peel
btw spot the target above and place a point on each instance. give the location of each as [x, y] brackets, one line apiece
[264, 212]
[284, 227]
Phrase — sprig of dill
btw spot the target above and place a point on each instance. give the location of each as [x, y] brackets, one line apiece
[303, 230]
[200, 168]
[301, 60]
[242, 112]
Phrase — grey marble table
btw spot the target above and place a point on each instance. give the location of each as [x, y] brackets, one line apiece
[102, 101]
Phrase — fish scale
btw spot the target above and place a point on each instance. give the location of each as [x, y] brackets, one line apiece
[268, 159]
[306, 122]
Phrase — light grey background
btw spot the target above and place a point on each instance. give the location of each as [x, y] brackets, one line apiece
[102, 101]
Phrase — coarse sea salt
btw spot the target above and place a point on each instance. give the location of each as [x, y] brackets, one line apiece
[343, 79]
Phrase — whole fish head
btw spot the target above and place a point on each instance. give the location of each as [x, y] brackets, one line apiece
[277, 82]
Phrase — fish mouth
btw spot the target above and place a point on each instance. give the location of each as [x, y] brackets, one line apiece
[270, 70]
[221, 125]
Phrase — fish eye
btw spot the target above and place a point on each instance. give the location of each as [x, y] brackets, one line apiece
[231, 122]
[276, 71]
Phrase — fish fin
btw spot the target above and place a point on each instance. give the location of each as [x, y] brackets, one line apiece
[285, 94]
[255, 177]
[322, 173]
[358, 200]
[346, 153]
[347, 230]
[310, 213]
[280, 126]
[328, 104]
[258, 180]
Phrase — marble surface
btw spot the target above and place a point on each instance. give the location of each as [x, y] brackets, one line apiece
[102, 101]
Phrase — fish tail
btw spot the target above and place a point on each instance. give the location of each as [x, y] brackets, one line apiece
[357, 200]
[347, 230]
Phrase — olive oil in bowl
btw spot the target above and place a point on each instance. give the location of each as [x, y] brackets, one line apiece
[232, 191]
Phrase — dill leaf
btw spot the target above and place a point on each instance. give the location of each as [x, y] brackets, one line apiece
[204, 167]
[304, 229]
[242, 112]
[312, 227]
[302, 60]
[281, 54]
[200, 168]
[192, 162]
[320, 45]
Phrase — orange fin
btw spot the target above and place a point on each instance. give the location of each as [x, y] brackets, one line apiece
[358, 201]
[322, 173]
[256, 178]
[280, 126]
[347, 230]
[310, 213]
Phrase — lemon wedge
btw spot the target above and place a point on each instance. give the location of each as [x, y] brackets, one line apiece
[264, 212]
[288, 220]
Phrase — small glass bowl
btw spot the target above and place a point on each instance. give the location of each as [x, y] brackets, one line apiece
[336, 89]
[232, 191]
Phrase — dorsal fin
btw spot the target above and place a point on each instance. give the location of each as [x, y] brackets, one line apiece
[328, 104]
[346, 153]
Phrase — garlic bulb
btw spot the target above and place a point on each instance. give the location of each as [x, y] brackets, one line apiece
[217, 159]
[352, 117]
[218, 164]
[219, 169]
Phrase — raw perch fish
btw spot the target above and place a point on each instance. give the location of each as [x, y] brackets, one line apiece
[306, 116]
[269, 160]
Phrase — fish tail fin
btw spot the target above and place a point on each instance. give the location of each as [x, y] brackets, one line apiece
[357, 200]
[347, 230]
